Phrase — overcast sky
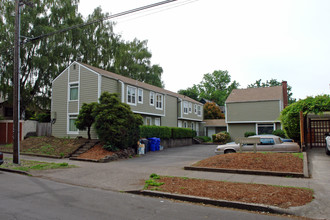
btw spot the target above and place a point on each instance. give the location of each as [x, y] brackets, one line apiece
[251, 39]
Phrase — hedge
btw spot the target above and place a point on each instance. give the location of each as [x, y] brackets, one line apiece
[163, 132]
[155, 131]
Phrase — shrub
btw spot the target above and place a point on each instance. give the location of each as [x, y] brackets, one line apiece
[204, 138]
[222, 137]
[147, 131]
[290, 115]
[249, 133]
[115, 123]
[43, 117]
[182, 133]
[279, 133]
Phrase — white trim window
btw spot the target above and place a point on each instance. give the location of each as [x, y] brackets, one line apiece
[72, 129]
[148, 121]
[131, 95]
[159, 101]
[157, 121]
[152, 98]
[195, 108]
[179, 124]
[192, 126]
[199, 110]
[185, 124]
[73, 91]
[185, 107]
[140, 96]
[190, 107]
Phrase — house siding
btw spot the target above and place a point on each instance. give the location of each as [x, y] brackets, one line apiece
[59, 104]
[171, 116]
[110, 85]
[145, 107]
[238, 130]
[88, 87]
[253, 111]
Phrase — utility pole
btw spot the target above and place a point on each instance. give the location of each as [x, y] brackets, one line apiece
[16, 80]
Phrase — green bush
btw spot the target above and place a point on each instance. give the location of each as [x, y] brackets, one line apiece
[279, 133]
[222, 137]
[43, 117]
[249, 133]
[182, 133]
[204, 138]
[115, 123]
[290, 115]
[162, 132]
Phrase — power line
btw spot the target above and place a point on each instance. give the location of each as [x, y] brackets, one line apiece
[100, 20]
[159, 10]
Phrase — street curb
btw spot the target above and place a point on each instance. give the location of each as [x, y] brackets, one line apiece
[220, 203]
[250, 172]
[85, 160]
[15, 171]
[306, 168]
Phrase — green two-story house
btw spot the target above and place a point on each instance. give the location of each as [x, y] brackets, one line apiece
[81, 83]
[255, 109]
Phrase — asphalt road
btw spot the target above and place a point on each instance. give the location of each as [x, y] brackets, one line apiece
[25, 197]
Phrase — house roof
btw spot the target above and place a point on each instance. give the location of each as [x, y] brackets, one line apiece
[137, 83]
[255, 94]
[215, 123]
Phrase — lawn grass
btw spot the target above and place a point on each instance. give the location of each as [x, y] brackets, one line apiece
[27, 165]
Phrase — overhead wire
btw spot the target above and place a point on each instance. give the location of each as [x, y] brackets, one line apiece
[155, 10]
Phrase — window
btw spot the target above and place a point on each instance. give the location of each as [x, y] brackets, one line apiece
[179, 124]
[267, 141]
[185, 124]
[190, 107]
[195, 108]
[74, 91]
[71, 126]
[185, 107]
[192, 126]
[159, 101]
[140, 95]
[152, 98]
[148, 121]
[265, 128]
[157, 121]
[131, 95]
[199, 110]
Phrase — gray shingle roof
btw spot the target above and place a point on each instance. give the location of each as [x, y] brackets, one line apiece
[255, 94]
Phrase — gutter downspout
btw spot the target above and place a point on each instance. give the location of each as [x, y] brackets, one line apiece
[122, 91]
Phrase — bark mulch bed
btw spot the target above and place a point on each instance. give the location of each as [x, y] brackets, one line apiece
[96, 153]
[283, 197]
[280, 162]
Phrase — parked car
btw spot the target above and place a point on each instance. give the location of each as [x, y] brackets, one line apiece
[327, 141]
[1, 158]
[267, 143]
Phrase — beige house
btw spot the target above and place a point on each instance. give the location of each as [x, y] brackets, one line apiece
[255, 109]
[81, 83]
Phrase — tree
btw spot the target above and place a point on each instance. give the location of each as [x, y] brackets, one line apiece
[270, 83]
[192, 92]
[217, 86]
[290, 115]
[212, 111]
[45, 59]
[85, 118]
[115, 123]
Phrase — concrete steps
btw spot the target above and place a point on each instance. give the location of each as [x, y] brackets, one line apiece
[84, 148]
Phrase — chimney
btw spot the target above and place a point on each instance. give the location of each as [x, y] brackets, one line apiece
[285, 93]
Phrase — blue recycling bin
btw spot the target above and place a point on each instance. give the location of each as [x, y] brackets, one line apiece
[154, 144]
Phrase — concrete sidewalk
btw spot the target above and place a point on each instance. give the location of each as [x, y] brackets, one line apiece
[126, 175]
